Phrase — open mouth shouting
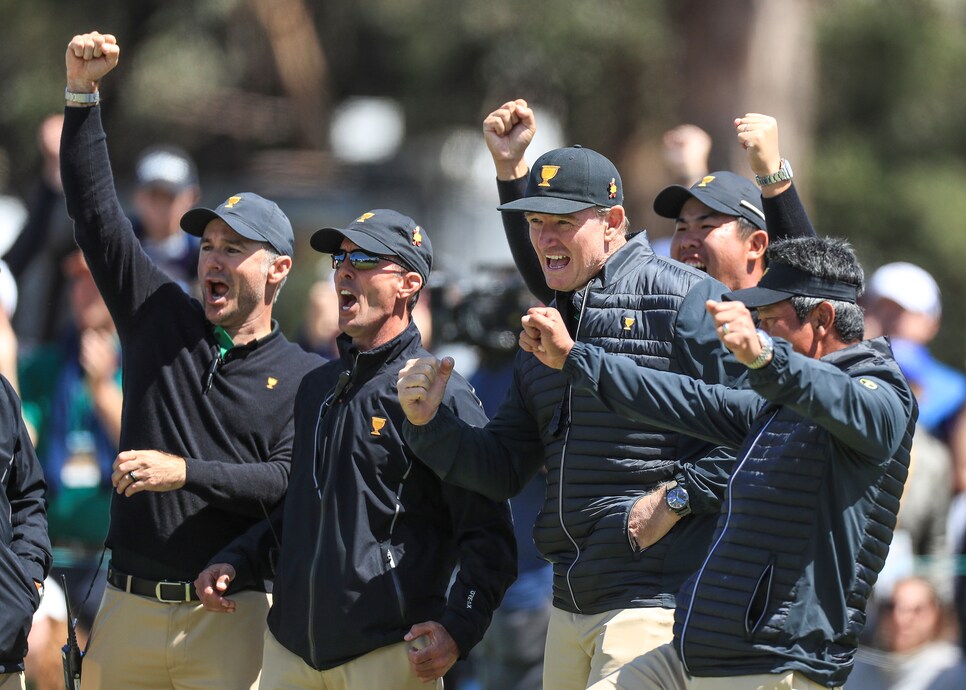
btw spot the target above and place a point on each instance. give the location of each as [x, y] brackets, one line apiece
[216, 291]
[347, 300]
[555, 262]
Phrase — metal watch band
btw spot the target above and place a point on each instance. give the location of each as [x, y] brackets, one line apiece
[784, 173]
[82, 98]
[767, 348]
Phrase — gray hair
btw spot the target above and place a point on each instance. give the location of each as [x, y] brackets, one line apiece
[271, 256]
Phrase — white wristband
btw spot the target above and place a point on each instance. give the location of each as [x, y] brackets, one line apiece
[82, 98]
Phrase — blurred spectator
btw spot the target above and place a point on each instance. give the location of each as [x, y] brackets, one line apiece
[8, 338]
[686, 151]
[43, 668]
[928, 492]
[511, 655]
[72, 397]
[13, 213]
[167, 188]
[954, 677]
[47, 237]
[912, 630]
[320, 325]
[903, 301]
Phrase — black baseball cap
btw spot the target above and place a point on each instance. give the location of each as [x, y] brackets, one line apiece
[166, 166]
[721, 191]
[385, 232]
[781, 281]
[568, 180]
[251, 216]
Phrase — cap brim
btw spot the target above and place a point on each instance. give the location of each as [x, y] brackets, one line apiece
[671, 199]
[546, 204]
[329, 241]
[755, 297]
[196, 220]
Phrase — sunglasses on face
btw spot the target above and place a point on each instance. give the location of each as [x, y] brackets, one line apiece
[360, 260]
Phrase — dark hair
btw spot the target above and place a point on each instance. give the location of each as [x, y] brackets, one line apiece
[745, 228]
[830, 258]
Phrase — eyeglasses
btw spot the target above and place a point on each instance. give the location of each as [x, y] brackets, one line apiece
[360, 260]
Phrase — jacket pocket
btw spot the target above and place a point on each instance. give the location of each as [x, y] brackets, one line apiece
[18, 601]
[758, 604]
[389, 562]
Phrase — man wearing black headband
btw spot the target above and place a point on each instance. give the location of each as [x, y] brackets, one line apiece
[823, 441]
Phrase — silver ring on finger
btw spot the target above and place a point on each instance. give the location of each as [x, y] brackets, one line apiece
[724, 328]
[132, 476]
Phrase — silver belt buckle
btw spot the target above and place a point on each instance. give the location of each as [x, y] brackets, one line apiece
[164, 583]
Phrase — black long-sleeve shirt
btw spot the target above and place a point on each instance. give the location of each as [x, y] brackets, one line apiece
[236, 437]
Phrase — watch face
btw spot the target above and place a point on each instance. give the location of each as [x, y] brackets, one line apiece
[677, 498]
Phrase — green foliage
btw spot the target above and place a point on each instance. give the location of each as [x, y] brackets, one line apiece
[890, 159]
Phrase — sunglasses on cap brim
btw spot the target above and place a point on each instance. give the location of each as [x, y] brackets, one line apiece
[360, 260]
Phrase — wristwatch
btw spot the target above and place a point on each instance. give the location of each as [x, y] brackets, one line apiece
[767, 349]
[677, 499]
[784, 173]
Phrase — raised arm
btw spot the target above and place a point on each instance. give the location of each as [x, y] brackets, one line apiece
[496, 461]
[784, 214]
[508, 131]
[123, 273]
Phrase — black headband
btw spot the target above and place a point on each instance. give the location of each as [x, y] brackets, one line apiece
[798, 282]
[781, 281]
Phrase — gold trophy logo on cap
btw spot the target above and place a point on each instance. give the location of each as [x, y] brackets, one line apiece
[547, 173]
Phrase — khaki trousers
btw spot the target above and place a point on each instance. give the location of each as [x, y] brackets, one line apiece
[12, 681]
[582, 649]
[386, 668]
[139, 643]
[661, 669]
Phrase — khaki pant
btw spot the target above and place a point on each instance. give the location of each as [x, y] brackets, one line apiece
[661, 669]
[582, 649]
[386, 668]
[139, 643]
[12, 681]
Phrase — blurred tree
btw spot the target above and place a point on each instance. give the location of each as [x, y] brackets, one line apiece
[890, 157]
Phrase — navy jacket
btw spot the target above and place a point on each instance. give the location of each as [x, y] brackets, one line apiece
[24, 546]
[650, 309]
[370, 537]
[823, 452]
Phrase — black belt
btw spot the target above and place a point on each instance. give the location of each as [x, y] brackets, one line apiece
[166, 591]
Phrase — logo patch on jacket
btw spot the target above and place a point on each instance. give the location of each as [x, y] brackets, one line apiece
[871, 385]
[377, 424]
[628, 321]
[271, 382]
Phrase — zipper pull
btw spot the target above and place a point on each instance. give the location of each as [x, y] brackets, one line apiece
[390, 559]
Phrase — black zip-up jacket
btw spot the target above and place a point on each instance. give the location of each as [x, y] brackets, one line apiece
[236, 434]
[369, 536]
[650, 309]
[823, 452]
[24, 545]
